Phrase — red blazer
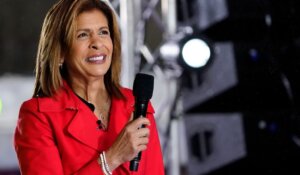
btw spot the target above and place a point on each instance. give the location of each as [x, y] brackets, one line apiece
[59, 136]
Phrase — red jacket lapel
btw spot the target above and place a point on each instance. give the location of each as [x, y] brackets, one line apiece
[82, 125]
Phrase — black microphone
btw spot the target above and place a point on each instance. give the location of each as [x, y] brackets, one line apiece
[142, 91]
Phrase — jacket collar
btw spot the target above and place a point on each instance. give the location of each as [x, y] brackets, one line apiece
[82, 126]
[63, 99]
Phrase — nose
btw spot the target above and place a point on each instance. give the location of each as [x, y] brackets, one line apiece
[95, 43]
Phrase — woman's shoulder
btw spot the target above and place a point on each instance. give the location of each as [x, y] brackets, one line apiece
[34, 101]
[126, 92]
[30, 103]
[57, 102]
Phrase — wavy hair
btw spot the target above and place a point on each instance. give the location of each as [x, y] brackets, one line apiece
[56, 37]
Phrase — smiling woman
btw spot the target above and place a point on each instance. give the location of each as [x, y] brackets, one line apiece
[91, 51]
[79, 120]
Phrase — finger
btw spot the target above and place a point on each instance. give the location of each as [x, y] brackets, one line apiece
[143, 141]
[140, 144]
[142, 148]
[143, 144]
[134, 125]
[131, 117]
[143, 132]
[140, 122]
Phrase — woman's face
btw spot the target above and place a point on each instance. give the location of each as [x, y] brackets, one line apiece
[91, 51]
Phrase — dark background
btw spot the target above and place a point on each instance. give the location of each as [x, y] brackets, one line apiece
[268, 88]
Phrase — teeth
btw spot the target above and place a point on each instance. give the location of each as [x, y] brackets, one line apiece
[99, 58]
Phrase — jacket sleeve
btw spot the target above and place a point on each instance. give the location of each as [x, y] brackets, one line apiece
[152, 159]
[36, 147]
[34, 144]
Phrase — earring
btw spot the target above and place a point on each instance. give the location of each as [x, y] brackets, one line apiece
[60, 66]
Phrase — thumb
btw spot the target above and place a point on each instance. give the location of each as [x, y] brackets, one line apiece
[131, 117]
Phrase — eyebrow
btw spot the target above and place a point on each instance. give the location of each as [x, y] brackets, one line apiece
[88, 30]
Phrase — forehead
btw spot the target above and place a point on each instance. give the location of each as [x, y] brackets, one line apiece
[91, 17]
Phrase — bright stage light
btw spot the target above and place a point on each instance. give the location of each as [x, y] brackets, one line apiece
[196, 52]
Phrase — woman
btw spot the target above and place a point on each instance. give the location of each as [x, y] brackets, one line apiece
[79, 120]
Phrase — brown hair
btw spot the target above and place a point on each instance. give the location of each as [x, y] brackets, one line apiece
[57, 34]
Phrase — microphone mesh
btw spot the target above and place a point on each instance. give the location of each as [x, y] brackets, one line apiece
[143, 86]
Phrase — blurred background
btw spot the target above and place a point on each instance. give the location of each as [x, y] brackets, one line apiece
[226, 79]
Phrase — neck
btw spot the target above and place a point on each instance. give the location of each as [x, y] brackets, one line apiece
[92, 91]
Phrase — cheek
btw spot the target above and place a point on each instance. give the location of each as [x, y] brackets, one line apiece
[77, 49]
[110, 45]
[74, 55]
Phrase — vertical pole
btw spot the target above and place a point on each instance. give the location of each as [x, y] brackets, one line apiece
[174, 168]
[169, 15]
[130, 14]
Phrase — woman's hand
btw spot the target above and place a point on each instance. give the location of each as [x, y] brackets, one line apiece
[129, 142]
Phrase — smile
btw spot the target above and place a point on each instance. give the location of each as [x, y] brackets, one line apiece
[97, 59]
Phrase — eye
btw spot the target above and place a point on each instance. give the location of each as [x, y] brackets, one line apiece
[104, 32]
[82, 35]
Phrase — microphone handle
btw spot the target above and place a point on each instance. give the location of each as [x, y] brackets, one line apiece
[140, 110]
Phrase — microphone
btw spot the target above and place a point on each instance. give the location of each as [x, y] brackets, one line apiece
[142, 91]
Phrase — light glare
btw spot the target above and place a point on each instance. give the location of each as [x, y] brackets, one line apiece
[196, 53]
[170, 51]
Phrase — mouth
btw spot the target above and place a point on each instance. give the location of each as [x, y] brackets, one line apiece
[96, 59]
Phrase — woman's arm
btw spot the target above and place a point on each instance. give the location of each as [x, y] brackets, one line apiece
[132, 140]
[36, 146]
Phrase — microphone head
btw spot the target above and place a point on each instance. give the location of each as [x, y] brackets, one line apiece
[143, 86]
